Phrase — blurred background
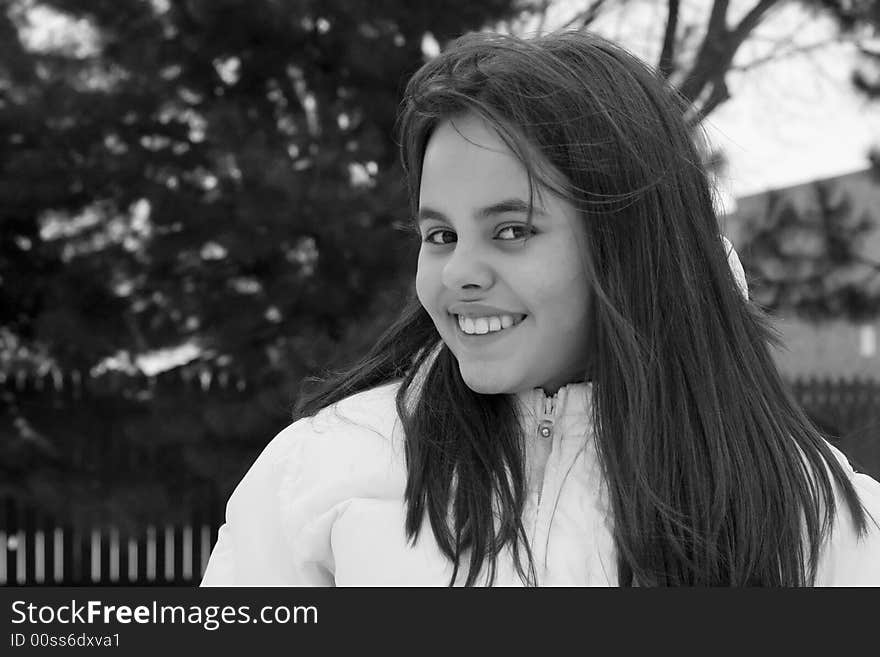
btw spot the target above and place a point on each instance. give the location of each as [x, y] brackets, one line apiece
[200, 204]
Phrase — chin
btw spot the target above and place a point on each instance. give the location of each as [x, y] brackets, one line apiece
[487, 385]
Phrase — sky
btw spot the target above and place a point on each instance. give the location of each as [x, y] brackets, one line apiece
[798, 119]
[792, 120]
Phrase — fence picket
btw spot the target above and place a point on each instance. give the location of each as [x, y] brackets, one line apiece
[113, 565]
[20, 557]
[39, 556]
[150, 553]
[35, 551]
[187, 553]
[169, 554]
[95, 555]
[58, 555]
[132, 560]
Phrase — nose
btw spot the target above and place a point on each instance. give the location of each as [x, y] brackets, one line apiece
[467, 268]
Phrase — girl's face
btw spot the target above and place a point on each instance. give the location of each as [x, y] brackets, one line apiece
[510, 301]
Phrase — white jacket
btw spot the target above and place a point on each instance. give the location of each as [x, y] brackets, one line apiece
[323, 505]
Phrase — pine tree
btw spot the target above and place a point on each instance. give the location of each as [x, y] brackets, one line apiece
[812, 262]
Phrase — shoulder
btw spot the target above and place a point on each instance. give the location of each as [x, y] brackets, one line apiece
[353, 448]
[851, 558]
[281, 514]
[364, 422]
[353, 429]
[358, 432]
[373, 410]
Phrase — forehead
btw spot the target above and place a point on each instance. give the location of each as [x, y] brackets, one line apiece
[467, 154]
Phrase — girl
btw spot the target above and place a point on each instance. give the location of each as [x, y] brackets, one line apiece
[579, 393]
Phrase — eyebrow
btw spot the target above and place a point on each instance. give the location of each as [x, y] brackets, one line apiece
[503, 207]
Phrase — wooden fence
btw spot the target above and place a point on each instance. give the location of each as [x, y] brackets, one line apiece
[37, 550]
[116, 479]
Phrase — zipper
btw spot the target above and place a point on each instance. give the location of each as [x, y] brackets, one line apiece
[545, 426]
[545, 433]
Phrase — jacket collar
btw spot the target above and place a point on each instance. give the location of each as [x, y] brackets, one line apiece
[572, 400]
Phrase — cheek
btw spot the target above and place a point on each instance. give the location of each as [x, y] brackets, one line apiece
[552, 278]
[563, 292]
[426, 286]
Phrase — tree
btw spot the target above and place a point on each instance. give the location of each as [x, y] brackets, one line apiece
[221, 172]
[812, 262]
[696, 51]
[862, 19]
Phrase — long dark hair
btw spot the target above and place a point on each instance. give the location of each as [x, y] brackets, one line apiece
[715, 476]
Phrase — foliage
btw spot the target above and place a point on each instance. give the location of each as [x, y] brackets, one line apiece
[221, 172]
[812, 262]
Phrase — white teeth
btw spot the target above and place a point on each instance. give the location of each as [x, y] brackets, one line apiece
[483, 325]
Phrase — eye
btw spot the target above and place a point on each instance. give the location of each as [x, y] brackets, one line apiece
[515, 232]
[440, 237]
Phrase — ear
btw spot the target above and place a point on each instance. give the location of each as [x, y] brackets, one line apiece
[736, 267]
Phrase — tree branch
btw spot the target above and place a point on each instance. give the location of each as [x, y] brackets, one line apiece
[719, 94]
[543, 19]
[667, 55]
[778, 55]
[749, 22]
[585, 17]
[717, 50]
[717, 24]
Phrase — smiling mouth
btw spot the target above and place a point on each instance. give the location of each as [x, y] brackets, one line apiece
[489, 325]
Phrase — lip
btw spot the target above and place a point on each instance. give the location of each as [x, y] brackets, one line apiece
[469, 309]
